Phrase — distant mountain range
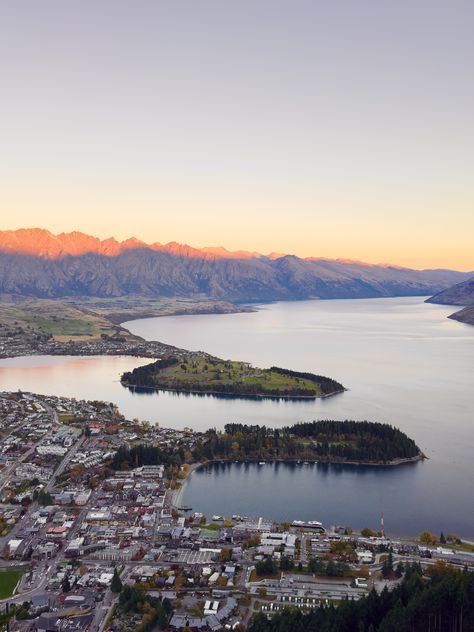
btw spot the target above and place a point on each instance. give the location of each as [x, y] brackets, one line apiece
[459, 294]
[34, 262]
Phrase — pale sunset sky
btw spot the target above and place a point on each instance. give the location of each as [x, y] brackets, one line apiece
[318, 128]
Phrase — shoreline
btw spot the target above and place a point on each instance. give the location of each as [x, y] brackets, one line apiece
[118, 317]
[235, 395]
[320, 461]
[194, 467]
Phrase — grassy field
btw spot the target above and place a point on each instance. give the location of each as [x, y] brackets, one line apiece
[121, 309]
[201, 373]
[64, 322]
[79, 320]
[8, 581]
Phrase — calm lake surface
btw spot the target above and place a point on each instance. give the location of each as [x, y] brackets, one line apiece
[403, 362]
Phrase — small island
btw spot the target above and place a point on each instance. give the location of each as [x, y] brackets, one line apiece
[202, 373]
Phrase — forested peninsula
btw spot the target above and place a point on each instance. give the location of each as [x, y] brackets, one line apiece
[202, 373]
[360, 442]
[325, 441]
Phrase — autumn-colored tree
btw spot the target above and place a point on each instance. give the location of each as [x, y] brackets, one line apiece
[225, 555]
[427, 538]
[368, 533]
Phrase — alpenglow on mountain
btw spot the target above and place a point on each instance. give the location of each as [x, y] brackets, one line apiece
[34, 262]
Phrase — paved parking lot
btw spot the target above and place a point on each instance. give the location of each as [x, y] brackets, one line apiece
[194, 557]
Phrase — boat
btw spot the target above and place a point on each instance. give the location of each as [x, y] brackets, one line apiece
[261, 463]
[308, 524]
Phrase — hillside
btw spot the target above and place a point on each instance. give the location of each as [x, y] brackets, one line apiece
[459, 294]
[37, 263]
[465, 315]
[37, 319]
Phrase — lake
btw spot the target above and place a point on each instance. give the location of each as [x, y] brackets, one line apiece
[403, 362]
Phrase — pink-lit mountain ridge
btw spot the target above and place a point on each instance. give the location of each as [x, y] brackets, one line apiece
[34, 262]
[42, 243]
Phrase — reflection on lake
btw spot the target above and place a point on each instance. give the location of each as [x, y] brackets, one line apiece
[348, 495]
[402, 360]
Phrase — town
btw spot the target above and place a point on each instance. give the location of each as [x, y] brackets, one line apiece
[16, 340]
[93, 536]
[91, 543]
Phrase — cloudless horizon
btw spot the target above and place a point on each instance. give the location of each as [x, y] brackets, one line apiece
[339, 130]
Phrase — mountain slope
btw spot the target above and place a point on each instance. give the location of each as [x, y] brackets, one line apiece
[459, 294]
[36, 263]
[465, 315]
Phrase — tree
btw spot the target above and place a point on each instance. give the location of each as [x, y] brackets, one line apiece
[266, 567]
[368, 533]
[225, 555]
[442, 538]
[66, 584]
[286, 564]
[427, 538]
[45, 498]
[443, 602]
[116, 584]
[387, 566]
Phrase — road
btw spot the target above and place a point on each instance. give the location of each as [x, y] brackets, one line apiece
[62, 466]
[303, 552]
[7, 472]
[102, 611]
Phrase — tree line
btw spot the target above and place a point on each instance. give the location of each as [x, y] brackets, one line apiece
[442, 603]
[326, 384]
[143, 454]
[154, 611]
[328, 441]
[339, 441]
[148, 376]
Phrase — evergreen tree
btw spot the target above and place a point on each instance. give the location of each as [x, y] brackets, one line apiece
[116, 585]
[66, 584]
[387, 567]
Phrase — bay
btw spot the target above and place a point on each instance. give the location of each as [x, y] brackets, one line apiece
[402, 361]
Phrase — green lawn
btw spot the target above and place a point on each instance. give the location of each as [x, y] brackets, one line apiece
[8, 581]
[215, 374]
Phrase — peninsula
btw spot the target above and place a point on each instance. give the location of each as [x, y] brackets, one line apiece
[328, 441]
[203, 373]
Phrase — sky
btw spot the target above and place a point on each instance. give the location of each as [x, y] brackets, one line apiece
[331, 129]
